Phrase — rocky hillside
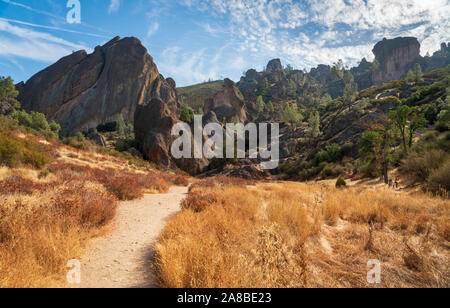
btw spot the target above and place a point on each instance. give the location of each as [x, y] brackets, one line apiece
[83, 90]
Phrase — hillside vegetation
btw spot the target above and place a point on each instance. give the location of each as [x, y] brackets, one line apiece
[195, 96]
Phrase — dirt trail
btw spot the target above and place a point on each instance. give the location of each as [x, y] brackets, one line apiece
[123, 258]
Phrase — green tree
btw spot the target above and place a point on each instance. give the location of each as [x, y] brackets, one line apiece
[376, 149]
[269, 107]
[187, 115]
[410, 75]
[314, 125]
[407, 121]
[338, 70]
[418, 75]
[259, 105]
[292, 116]
[8, 95]
[121, 126]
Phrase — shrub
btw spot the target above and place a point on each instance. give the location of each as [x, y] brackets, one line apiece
[331, 154]
[15, 152]
[125, 188]
[340, 183]
[332, 170]
[198, 201]
[439, 179]
[421, 165]
[107, 127]
[153, 183]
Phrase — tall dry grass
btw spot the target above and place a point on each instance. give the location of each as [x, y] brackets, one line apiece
[47, 216]
[230, 234]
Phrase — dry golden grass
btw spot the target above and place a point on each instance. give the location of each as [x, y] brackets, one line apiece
[47, 216]
[304, 235]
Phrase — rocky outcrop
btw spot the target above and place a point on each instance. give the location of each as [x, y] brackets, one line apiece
[153, 123]
[274, 66]
[83, 90]
[227, 104]
[97, 138]
[395, 57]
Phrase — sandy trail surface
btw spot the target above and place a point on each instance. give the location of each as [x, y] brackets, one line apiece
[123, 258]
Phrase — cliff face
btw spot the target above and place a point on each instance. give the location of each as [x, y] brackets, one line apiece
[227, 103]
[395, 57]
[81, 91]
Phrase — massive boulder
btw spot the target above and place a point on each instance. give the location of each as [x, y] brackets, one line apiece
[153, 123]
[395, 57]
[227, 104]
[83, 90]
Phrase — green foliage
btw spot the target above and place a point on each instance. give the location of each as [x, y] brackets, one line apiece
[123, 145]
[292, 115]
[38, 123]
[340, 183]
[195, 96]
[259, 105]
[187, 115]
[407, 121]
[417, 74]
[314, 125]
[332, 153]
[443, 117]
[121, 126]
[107, 127]
[269, 107]
[8, 95]
[16, 152]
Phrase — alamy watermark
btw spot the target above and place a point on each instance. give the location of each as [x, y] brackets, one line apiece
[74, 14]
[230, 143]
[74, 274]
[374, 273]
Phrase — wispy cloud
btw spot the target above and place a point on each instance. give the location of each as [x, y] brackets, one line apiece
[30, 44]
[306, 33]
[154, 27]
[51, 27]
[114, 6]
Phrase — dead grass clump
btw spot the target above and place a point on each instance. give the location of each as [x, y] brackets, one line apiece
[40, 232]
[198, 201]
[153, 183]
[125, 188]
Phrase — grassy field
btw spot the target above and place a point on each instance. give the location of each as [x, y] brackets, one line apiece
[232, 233]
[195, 96]
[47, 215]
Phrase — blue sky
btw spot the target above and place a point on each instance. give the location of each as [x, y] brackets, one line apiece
[196, 40]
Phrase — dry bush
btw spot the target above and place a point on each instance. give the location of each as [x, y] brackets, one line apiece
[125, 188]
[153, 183]
[40, 232]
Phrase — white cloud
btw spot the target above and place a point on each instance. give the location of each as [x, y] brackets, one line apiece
[114, 6]
[22, 42]
[346, 29]
[153, 29]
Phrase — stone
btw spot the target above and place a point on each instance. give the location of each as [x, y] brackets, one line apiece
[83, 90]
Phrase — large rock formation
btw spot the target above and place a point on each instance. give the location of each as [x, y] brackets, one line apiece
[153, 123]
[227, 104]
[395, 57]
[82, 90]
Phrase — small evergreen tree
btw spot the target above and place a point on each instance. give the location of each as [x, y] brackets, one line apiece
[8, 95]
[187, 115]
[314, 125]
